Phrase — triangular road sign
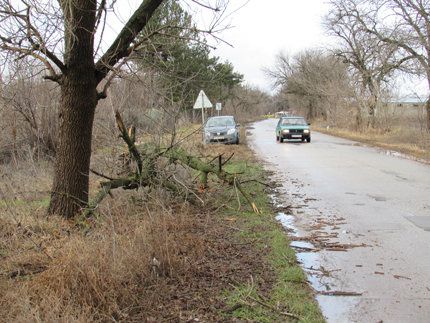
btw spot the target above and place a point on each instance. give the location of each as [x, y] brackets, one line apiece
[202, 101]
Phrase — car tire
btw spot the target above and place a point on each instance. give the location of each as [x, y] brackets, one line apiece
[308, 139]
[281, 140]
[277, 138]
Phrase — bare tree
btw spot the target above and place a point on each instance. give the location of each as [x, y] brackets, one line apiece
[315, 80]
[246, 103]
[400, 23]
[33, 102]
[372, 60]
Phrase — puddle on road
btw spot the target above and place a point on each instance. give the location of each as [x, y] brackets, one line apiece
[334, 308]
[377, 198]
[303, 245]
[308, 259]
[287, 222]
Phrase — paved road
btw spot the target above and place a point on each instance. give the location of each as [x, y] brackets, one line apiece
[357, 195]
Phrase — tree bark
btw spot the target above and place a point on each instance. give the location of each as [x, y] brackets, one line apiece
[372, 103]
[428, 114]
[371, 111]
[79, 97]
[78, 102]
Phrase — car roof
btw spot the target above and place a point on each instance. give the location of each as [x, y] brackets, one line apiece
[293, 117]
[220, 117]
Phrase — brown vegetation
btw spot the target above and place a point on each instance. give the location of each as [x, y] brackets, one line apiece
[397, 128]
[147, 256]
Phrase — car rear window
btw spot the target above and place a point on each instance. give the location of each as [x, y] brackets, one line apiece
[294, 121]
[220, 122]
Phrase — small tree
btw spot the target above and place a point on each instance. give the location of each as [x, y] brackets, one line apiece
[181, 58]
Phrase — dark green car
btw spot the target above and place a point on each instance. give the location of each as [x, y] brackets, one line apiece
[293, 128]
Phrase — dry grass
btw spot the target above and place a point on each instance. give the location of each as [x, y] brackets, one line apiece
[397, 128]
[51, 269]
[407, 141]
[145, 257]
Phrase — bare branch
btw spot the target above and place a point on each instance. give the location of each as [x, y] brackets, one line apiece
[120, 48]
[216, 9]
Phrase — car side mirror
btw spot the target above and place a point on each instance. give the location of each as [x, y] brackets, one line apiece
[309, 124]
[237, 125]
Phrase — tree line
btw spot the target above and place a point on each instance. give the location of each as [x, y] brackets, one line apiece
[377, 41]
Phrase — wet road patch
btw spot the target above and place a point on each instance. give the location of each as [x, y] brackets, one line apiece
[377, 198]
[422, 222]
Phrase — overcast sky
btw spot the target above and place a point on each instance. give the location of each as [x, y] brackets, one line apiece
[263, 28]
[260, 29]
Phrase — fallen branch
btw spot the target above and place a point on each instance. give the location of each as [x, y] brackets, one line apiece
[145, 175]
[400, 276]
[129, 138]
[274, 309]
[178, 154]
[101, 175]
[339, 293]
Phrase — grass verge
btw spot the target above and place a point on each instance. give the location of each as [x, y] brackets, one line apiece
[284, 295]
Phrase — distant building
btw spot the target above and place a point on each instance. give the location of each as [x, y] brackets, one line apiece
[407, 102]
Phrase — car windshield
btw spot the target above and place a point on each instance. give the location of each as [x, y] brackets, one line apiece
[220, 122]
[293, 122]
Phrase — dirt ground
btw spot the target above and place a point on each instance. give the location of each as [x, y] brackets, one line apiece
[168, 261]
[226, 262]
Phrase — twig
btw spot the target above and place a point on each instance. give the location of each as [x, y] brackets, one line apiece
[188, 189]
[228, 159]
[101, 175]
[257, 181]
[339, 293]
[234, 228]
[237, 195]
[400, 276]
[274, 308]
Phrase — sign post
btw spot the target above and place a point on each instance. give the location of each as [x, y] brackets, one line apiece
[218, 107]
[202, 102]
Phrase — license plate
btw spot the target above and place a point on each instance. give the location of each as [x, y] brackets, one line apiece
[219, 137]
[296, 136]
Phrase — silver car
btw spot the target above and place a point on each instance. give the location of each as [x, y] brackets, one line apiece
[221, 129]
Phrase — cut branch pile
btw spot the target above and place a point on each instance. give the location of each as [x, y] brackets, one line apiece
[144, 173]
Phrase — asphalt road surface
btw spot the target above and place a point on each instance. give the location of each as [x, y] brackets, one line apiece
[368, 210]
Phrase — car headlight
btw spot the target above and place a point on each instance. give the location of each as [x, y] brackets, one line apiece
[231, 131]
[286, 131]
[306, 131]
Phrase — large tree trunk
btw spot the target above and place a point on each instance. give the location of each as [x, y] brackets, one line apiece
[428, 114]
[70, 187]
[428, 102]
[371, 112]
[78, 102]
[372, 103]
